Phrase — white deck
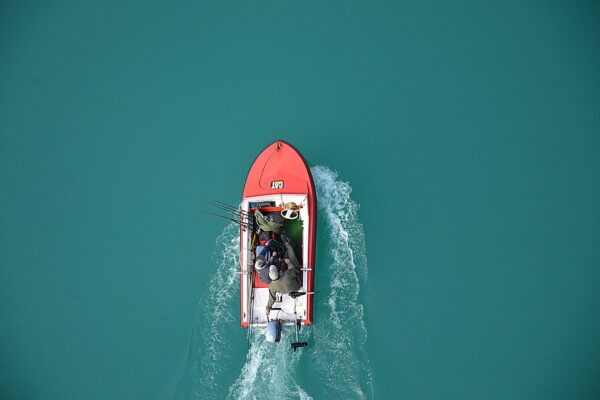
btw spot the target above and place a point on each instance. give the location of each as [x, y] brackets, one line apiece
[253, 310]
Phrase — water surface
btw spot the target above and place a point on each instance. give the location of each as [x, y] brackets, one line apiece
[467, 131]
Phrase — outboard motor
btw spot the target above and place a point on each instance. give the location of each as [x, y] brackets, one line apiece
[273, 332]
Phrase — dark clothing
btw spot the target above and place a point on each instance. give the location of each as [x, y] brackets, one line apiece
[263, 274]
[289, 281]
[264, 236]
[271, 246]
[275, 245]
[265, 255]
[290, 253]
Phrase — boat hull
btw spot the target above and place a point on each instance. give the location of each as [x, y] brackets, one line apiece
[278, 175]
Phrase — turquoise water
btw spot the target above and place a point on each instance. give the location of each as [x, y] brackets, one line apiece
[468, 134]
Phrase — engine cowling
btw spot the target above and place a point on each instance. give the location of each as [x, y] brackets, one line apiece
[273, 331]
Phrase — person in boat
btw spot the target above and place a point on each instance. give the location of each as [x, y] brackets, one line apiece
[282, 247]
[284, 282]
[274, 253]
[262, 269]
[270, 253]
[269, 249]
[262, 266]
[276, 248]
[290, 253]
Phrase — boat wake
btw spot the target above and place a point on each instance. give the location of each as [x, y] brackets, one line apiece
[269, 372]
[209, 355]
[340, 333]
[335, 364]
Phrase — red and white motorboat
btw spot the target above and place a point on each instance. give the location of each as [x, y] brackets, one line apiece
[279, 182]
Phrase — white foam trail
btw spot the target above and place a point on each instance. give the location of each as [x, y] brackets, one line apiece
[208, 347]
[268, 372]
[340, 334]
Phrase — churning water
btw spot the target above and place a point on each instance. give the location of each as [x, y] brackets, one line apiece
[335, 365]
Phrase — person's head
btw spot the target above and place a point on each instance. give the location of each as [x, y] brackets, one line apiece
[273, 273]
[259, 264]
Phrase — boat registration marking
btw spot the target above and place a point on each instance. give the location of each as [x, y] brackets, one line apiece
[276, 184]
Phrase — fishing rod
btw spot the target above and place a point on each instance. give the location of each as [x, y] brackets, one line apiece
[223, 206]
[244, 216]
[237, 221]
[227, 210]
